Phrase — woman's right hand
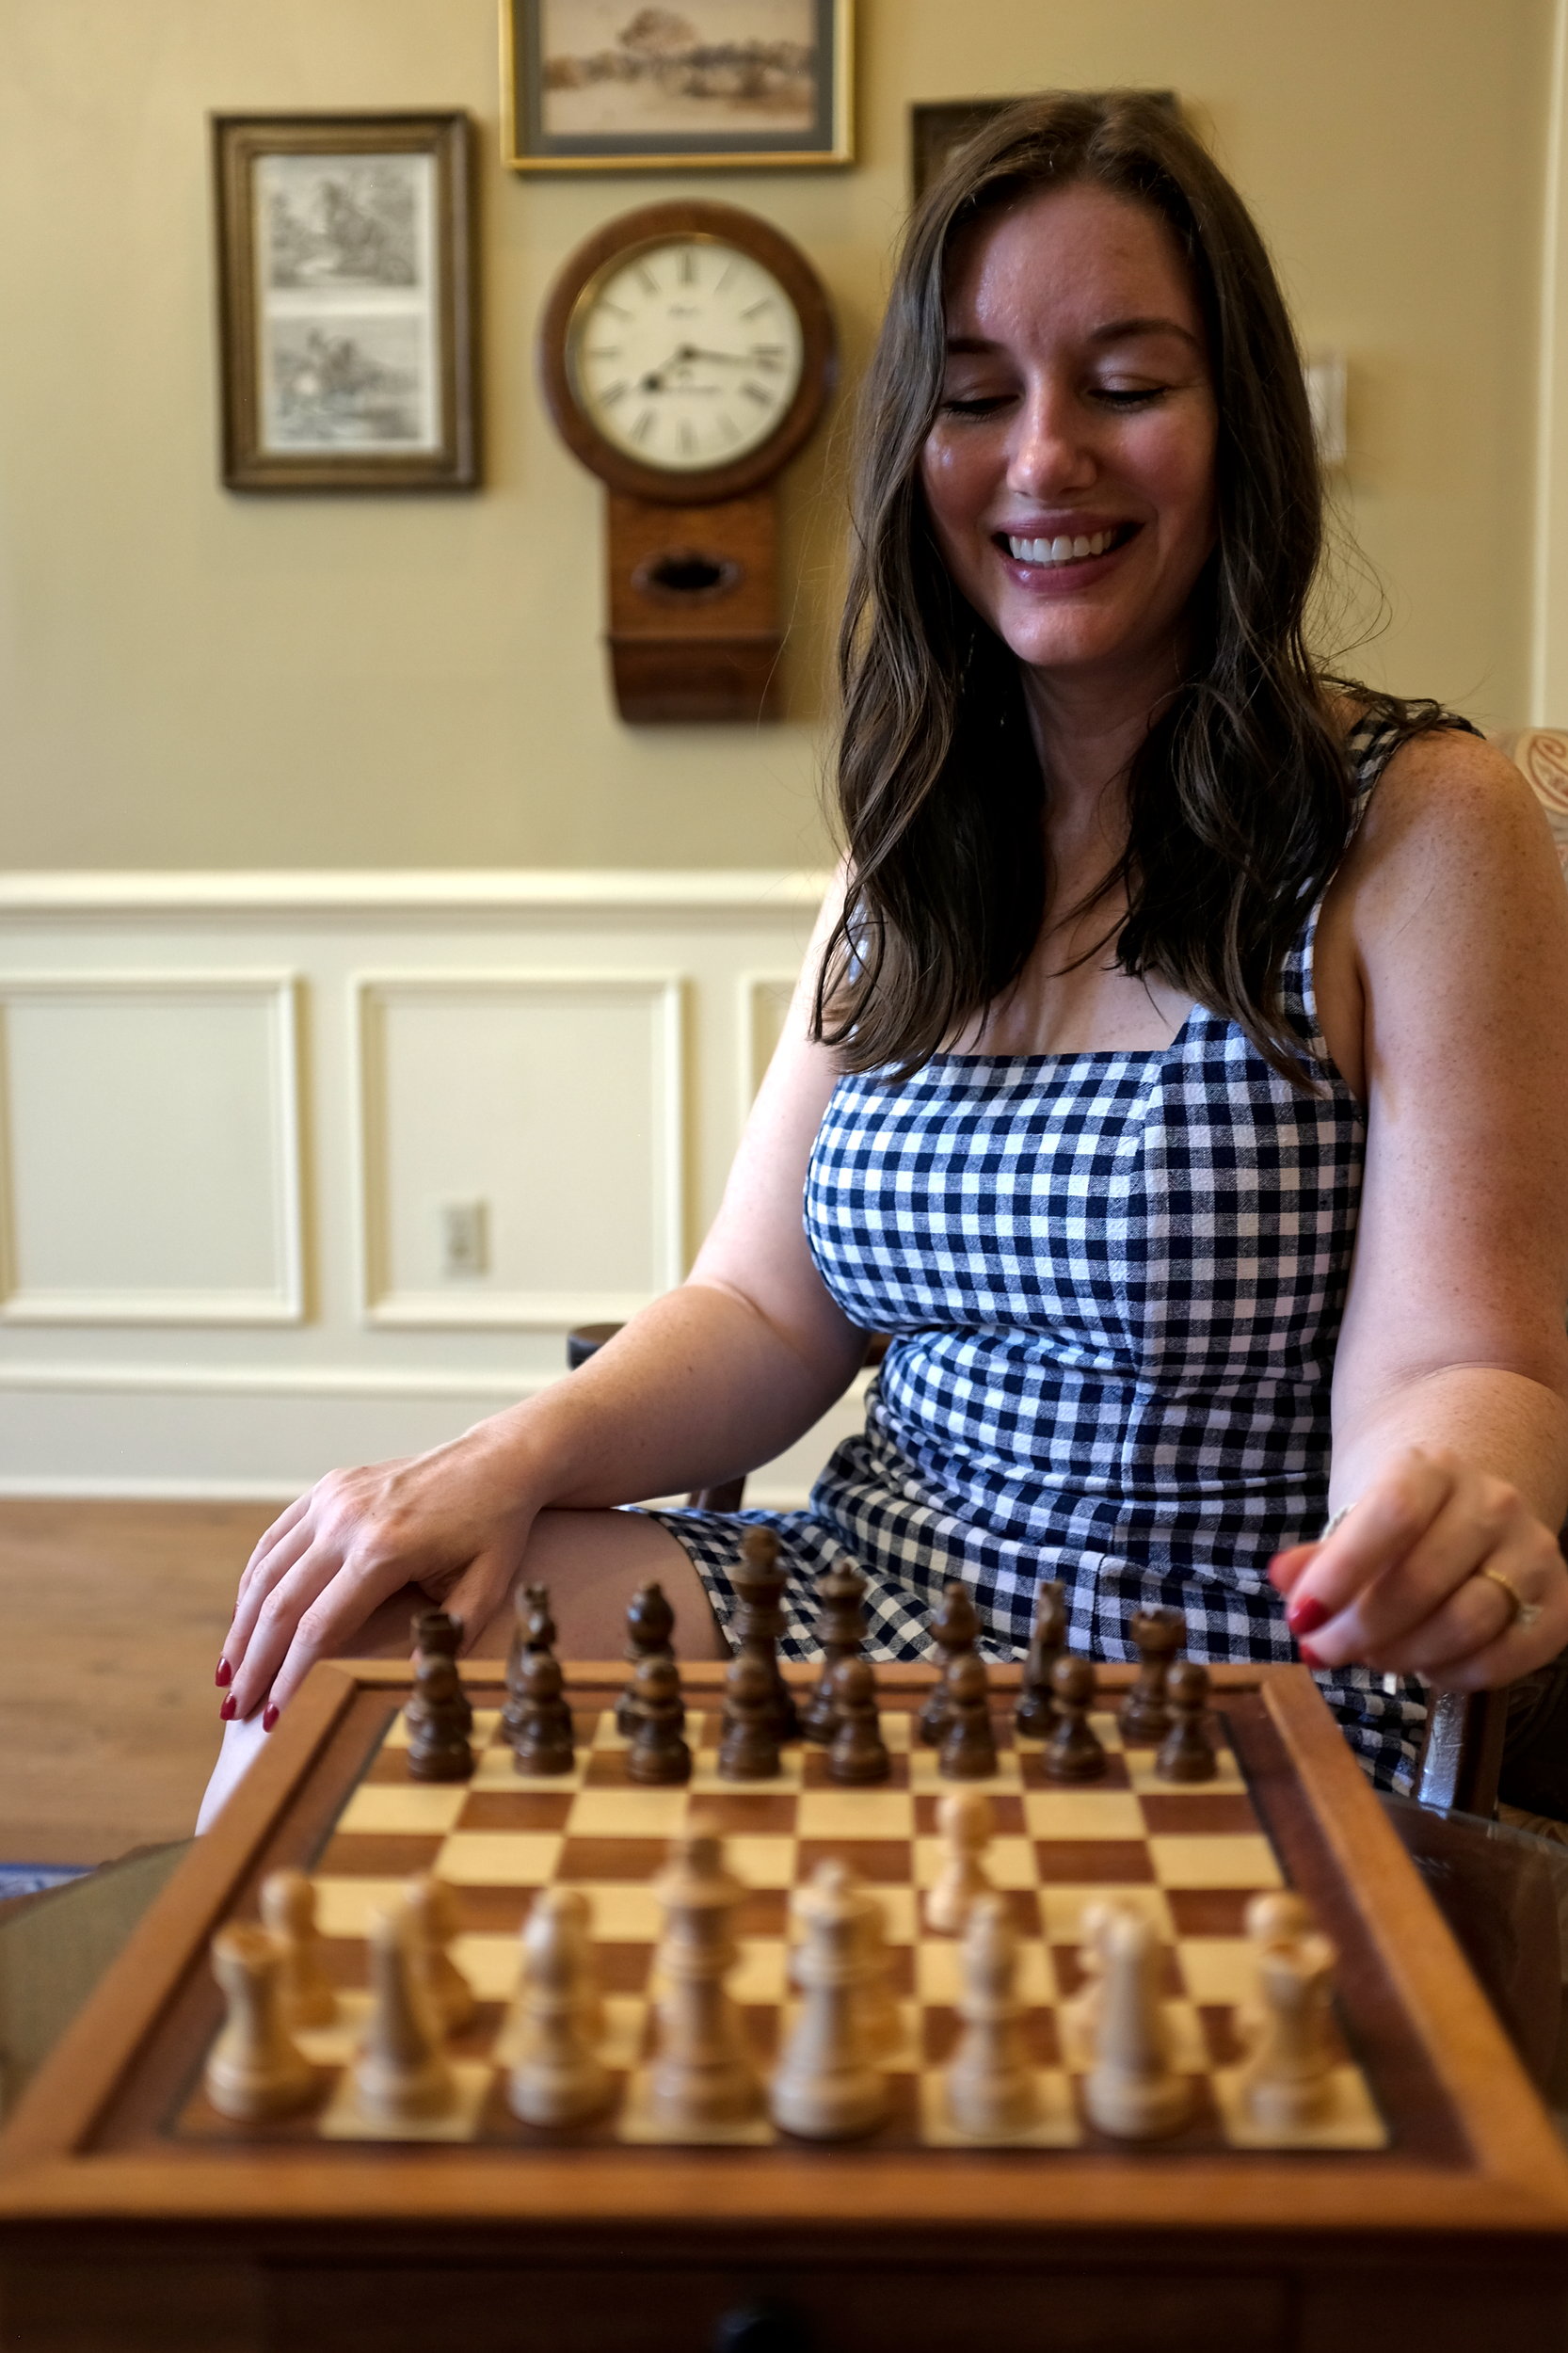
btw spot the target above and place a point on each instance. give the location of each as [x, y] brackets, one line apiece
[453, 1522]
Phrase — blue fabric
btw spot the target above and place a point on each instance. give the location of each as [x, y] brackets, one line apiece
[1114, 1283]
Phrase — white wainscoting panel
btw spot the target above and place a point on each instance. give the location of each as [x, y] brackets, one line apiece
[764, 1003]
[151, 1165]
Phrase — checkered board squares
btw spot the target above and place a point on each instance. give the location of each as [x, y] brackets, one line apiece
[1189, 1858]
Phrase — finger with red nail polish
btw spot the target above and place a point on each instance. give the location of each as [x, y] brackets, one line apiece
[228, 1709]
[1306, 1615]
[1309, 1655]
[269, 1716]
[225, 1675]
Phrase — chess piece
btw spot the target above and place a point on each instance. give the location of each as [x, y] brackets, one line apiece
[556, 2076]
[749, 1750]
[540, 1729]
[256, 2068]
[828, 2085]
[1035, 1715]
[1145, 1714]
[288, 1908]
[649, 1624]
[859, 1755]
[433, 1922]
[990, 2086]
[1187, 1751]
[954, 1629]
[1080, 2012]
[880, 2021]
[840, 1630]
[1287, 2081]
[965, 1819]
[968, 1750]
[1132, 2091]
[438, 1716]
[437, 1634]
[566, 1915]
[702, 2074]
[657, 1755]
[401, 2075]
[533, 1632]
[1073, 1752]
[760, 1579]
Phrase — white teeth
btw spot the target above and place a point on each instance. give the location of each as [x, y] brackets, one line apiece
[1060, 550]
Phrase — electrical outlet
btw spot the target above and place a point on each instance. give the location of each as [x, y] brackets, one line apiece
[465, 1239]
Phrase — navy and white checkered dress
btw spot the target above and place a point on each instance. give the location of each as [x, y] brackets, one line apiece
[1114, 1283]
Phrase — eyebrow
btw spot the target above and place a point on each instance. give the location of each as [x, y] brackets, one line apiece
[1114, 331]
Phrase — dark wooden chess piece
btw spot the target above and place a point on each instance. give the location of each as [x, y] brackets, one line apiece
[658, 1753]
[858, 1756]
[1033, 1716]
[759, 1578]
[437, 1634]
[542, 1743]
[438, 1717]
[1073, 1752]
[533, 1630]
[649, 1624]
[749, 1748]
[840, 1630]
[968, 1750]
[1145, 1714]
[954, 1629]
[1187, 1753]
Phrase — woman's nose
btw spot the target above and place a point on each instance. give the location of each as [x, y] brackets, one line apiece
[1048, 454]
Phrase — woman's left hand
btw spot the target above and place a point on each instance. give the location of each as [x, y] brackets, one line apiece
[1439, 1570]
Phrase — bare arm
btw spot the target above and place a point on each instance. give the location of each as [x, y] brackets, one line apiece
[711, 1380]
[1450, 1392]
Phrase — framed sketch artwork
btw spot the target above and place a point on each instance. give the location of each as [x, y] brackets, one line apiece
[611, 86]
[345, 307]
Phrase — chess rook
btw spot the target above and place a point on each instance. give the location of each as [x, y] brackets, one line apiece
[650, 1625]
[1146, 1713]
[760, 1579]
[288, 1908]
[1187, 1751]
[1035, 1714]
[859, 1755]
[702, 2074]
[256, 2068]
[1132, 2091]
[840, 1630]
[749, 1746]
[657, 1755]
[432, 1916]
[540, 1727]
[828, 2085]
[990, 2086]
[435, 1634]
[1073, 1751]
[965, 1820]
[969, 1745]
[1288, 2080]
[557, 2077]
[954, 1629]
[401, 2075]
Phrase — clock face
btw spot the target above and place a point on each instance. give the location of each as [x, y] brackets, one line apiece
[685, 355]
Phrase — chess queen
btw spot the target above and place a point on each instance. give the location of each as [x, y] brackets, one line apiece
[1178, 1078]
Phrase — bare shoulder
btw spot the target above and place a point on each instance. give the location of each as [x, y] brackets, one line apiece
[1452, 814]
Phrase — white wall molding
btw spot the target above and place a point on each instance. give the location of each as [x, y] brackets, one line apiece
[518, 891]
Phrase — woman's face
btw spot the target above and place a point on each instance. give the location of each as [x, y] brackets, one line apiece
[1069, 476]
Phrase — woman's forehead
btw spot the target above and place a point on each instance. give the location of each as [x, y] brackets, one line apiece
[1080, 256]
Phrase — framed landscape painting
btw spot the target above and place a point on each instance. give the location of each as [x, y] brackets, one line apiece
[609, 86]
[345, 307]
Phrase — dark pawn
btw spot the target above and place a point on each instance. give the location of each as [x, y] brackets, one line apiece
[658, 1753]
[1187, 1753]
[1073, 1752]
[750, 1749]
[437, 1636]
[1035, 1715]
[954, 1629]
[858, 1756]
[760, 1579]
[533, 1632]
[543, 1740]
[968, 1750]
[840, 1630]
[649, 1624]
[439, 1716]
[1145, 1714]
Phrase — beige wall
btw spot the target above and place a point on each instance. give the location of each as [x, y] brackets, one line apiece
[189, 679]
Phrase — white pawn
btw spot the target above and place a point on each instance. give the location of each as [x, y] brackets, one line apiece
[433, 1923]
[702, 2073]
[401, 2075]
[557, 2077]
[1288, 2078]
[1132, 2090]
[568, 1916]
[256, 2069]
[828, 2086]
[965, 1819]
[991, 2090]
[289, 1910]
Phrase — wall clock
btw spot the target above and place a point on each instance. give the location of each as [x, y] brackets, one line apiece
[686, 351]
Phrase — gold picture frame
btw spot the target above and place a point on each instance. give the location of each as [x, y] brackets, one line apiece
[778, 95]
[344, 249]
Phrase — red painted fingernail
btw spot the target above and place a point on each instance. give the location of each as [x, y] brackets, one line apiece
[225, 1675]
[1306, 1615]
[269, 1716]
[227, 1710]
[1309, 1657]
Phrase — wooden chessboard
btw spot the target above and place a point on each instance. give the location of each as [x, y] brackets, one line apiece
[1438, 2156]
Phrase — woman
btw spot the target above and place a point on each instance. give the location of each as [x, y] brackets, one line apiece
[1179, 1075]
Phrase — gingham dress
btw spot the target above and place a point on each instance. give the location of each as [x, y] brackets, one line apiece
[1114, 1283]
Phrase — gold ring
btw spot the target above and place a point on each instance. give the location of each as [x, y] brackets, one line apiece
[1525, 1612]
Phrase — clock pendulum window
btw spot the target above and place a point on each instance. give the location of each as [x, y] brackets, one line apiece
[686, 351]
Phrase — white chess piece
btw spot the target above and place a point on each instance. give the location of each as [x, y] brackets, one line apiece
[401, 2075]
[288, 1906]
[1287, 2081]
[433, 1924]
[557, 2077]
[255, 2069]
[702, 2073]
[990, 2086]
[1132, 2091]
[828, 2086]
[965, 1819]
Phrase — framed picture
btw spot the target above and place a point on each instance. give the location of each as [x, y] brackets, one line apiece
[609, 86]
[939, 128]
[346, 301]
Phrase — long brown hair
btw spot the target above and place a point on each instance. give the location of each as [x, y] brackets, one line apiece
[1238, 798]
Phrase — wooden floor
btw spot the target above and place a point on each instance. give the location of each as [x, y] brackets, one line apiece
[113, 1615]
